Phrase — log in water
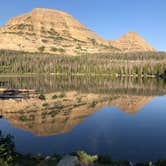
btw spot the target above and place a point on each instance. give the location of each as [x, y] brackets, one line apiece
[15, 93]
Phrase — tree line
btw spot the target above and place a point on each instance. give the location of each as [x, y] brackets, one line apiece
[138, 64]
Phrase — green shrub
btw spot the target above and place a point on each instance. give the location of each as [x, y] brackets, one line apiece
[44, 41]
[161, 163]
[105, 159]
[42, 97]
[4, 163]
[85, 158]
[41, 49]
[52, 113]
[6, 149]
[54, 97]
[23, 118]
[54, 49]
[43, 115]
[61, 50]
[21, 26]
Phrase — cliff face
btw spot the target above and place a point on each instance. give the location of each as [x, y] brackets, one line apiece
[131, 42]
[53, 31]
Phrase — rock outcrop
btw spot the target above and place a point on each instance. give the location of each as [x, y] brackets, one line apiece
[131, 42]
[53, 31]
[69, 161]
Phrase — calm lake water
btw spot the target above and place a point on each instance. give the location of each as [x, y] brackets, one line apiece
[128, 123]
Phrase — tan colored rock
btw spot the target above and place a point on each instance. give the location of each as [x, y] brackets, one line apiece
[58, 32]
[51, 29]
[131, 42]
[69, 161]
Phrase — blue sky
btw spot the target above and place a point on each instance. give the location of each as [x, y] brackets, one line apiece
[108, 18]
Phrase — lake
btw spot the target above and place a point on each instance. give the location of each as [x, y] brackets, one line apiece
[121, 117]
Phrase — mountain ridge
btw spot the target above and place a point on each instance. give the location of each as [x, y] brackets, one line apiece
[54, 31]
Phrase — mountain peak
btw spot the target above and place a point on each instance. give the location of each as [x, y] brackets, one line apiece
[132, 41]
[53, 30]
[57, 32]
[131, 34]
[43, 9]
[48, 11]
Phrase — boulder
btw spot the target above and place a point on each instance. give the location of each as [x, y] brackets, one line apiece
[68, 161]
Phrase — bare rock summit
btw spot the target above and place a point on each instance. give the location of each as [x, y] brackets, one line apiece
[53, 31]
[131, 42]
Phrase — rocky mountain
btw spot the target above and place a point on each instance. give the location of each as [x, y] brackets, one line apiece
[131, 42]
[53, 31]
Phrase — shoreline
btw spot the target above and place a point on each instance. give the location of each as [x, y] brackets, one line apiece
[77, 74]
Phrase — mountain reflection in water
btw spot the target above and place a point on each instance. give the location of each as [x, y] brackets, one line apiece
[82, 109]
[56, 116]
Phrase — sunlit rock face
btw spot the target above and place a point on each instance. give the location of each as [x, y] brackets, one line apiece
[60, 112]
[131, 42]
[53, 31]
[57, 31]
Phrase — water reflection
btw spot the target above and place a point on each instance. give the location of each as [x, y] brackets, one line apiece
[59, 115]
[88, 84]
[123, 118]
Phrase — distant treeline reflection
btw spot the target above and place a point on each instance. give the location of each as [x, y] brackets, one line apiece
[88, 84]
